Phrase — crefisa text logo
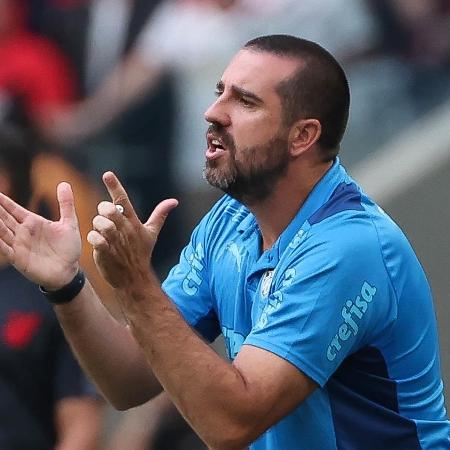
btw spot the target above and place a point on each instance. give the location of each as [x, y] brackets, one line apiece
[352, 313]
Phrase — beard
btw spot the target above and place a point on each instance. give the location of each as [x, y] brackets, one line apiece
[251, 178]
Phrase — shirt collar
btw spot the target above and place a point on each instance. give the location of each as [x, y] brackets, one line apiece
[316, 198]
[320, 193]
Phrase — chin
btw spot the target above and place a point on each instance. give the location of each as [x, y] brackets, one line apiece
[217, 179]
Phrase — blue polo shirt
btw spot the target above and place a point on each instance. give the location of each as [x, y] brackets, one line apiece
[340, 295]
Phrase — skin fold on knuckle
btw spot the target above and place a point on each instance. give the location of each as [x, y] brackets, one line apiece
[104, 226]
[108, 231]
[97, 240]
[121, 199]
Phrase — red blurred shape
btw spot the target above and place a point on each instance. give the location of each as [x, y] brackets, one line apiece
[20, 328]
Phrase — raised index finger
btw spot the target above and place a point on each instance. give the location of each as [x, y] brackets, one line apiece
[118, 194]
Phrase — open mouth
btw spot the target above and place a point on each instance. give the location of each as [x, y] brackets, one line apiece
[215, 148]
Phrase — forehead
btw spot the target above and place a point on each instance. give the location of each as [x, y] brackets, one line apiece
[258, 71]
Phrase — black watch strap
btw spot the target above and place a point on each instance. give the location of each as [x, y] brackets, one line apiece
[68, 292]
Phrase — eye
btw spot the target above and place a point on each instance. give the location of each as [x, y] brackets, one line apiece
[218, 92]
[246, 101]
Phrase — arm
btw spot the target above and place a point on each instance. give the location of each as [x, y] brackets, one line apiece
[78, 423]
[228, 405]
[107, 351]
[47, 253]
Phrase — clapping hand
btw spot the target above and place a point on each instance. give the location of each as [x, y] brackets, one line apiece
[122, 244]
[46, 252]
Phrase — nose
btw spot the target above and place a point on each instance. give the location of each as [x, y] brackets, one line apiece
[217, 113]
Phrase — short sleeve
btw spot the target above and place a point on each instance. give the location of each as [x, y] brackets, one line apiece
[332, 298]
[188, 283]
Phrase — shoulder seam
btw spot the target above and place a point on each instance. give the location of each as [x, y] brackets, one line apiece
[383, 259]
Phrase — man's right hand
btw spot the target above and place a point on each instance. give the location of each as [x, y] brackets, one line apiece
[45, 252]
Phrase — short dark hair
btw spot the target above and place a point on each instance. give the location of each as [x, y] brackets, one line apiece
[317, 90]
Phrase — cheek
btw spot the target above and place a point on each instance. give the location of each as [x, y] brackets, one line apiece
[257, 131]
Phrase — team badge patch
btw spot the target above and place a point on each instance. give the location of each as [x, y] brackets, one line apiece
[266, 282]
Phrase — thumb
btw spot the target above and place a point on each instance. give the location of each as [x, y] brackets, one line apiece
[66, 203]
[159, 215]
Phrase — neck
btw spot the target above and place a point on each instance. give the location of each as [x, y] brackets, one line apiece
[276, 212]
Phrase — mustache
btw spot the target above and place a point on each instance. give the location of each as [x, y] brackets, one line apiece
[223, 135]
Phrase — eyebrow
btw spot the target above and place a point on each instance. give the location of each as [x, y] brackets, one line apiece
[241, 92]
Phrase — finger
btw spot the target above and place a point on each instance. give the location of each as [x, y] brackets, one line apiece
[97, 240]
[6, 235]
[105, 227]
[8, 220]
[7, 251]
[18, 212]
[159, 215]
[66, 204]
[109, 210]
[118, 194]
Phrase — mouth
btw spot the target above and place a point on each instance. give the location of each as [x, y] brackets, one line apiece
[216, 147]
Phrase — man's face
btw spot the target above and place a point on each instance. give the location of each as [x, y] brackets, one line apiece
[247, 141]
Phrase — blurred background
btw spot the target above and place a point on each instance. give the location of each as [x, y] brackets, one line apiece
[94, 85]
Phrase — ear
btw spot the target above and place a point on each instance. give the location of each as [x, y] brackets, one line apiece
[303, 135]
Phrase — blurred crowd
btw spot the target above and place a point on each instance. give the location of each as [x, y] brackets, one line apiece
[94, 85]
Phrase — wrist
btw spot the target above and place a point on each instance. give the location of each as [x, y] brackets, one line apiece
[141, 287]
[139, 277]
[66, 293]
[66, 278]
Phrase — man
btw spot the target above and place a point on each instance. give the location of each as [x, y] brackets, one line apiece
[47, 401]
[325, 309]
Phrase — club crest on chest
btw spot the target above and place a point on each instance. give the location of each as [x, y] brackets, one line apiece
[266, 283]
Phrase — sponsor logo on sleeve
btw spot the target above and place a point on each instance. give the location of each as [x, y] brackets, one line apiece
[193, 279]
[352, 314]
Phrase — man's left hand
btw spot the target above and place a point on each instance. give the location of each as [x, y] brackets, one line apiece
[123, 245]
